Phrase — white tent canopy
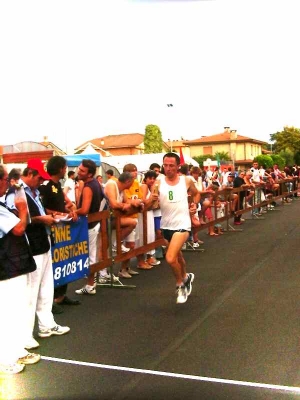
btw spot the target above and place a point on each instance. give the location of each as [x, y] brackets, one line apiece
[142, 161]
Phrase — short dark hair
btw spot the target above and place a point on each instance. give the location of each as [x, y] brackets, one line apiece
[2, 171]
[90, 165]
[14, 173]
[174, 155]
[150, 174]
[154, 165]
[55, 164]
[110, 172]
[71, 173]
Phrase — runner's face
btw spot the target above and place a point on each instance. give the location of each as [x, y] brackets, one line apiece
[170, 166]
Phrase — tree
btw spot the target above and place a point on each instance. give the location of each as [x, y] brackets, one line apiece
[288, 157]
[222, 156]
[288, 139]
[265, 160]
[200, 159]
[278, 160]
[153, 142]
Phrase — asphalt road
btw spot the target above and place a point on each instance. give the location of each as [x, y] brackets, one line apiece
[237, 337]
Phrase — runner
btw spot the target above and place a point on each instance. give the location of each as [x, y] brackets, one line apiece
[176, 221]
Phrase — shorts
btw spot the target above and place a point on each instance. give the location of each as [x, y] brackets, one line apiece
[157, 223]
[167, 233]
[133, 235]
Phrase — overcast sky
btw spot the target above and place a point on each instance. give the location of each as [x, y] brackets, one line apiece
[78, 70]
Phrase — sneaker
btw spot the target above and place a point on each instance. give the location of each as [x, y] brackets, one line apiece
[188, 283]
[107, 279]
[30, 358]
[32, 344]
[11, 368]
[183, 246]
[124, 274]
[132, 272]
[196, 244]
[153, 261]
[86, 290]
[124, 249]
[242, 220]
[182, 295]
[56, 330]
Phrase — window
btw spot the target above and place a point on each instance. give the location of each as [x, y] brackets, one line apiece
[207, 150]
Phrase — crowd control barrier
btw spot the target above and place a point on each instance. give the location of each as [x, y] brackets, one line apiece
[108, 258]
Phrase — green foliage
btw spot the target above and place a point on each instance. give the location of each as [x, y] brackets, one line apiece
[201, 159]
[153, 142]
[265, 160]
[297, 157]
[288, 139]
[222, 156]
[288, 157]
[277, 159]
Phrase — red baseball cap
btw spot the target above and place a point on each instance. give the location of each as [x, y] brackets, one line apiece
[38, 165]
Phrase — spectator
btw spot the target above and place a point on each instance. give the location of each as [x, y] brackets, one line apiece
[110, 175]
[100, 180]
[38, 232]
[89, 202]
[251, 188]
[159, 252]
[233, 197]
[148, 199]
[239, 183]
[15, 269]
[133, 196]
[114, 191]
[56, 201]
[69, 187]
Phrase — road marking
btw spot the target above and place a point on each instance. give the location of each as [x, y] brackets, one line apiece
[180, 376]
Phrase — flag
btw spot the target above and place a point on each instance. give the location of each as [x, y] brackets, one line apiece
[181, 156]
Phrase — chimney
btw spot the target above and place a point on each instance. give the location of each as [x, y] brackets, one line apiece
[226, 129]
[233, 134]
[45, 139]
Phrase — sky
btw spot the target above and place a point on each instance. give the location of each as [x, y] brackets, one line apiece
[79, 70]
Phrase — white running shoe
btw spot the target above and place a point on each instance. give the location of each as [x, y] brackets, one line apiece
[56, 330]
[85, 290]
[181, 294]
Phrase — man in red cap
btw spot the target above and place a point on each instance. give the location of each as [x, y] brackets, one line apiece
[38, 233]
[37, 165]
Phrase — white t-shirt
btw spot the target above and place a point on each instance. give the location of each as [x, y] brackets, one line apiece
[70, 184]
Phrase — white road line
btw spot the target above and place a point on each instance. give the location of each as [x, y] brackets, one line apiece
[180, 376]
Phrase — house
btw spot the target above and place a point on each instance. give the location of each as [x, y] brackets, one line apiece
[20, 153]
[117, 145]
[241, 149]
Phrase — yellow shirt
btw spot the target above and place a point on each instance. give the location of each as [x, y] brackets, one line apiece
[134, 192]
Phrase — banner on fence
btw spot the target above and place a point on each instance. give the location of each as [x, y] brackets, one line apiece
[70, 252]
